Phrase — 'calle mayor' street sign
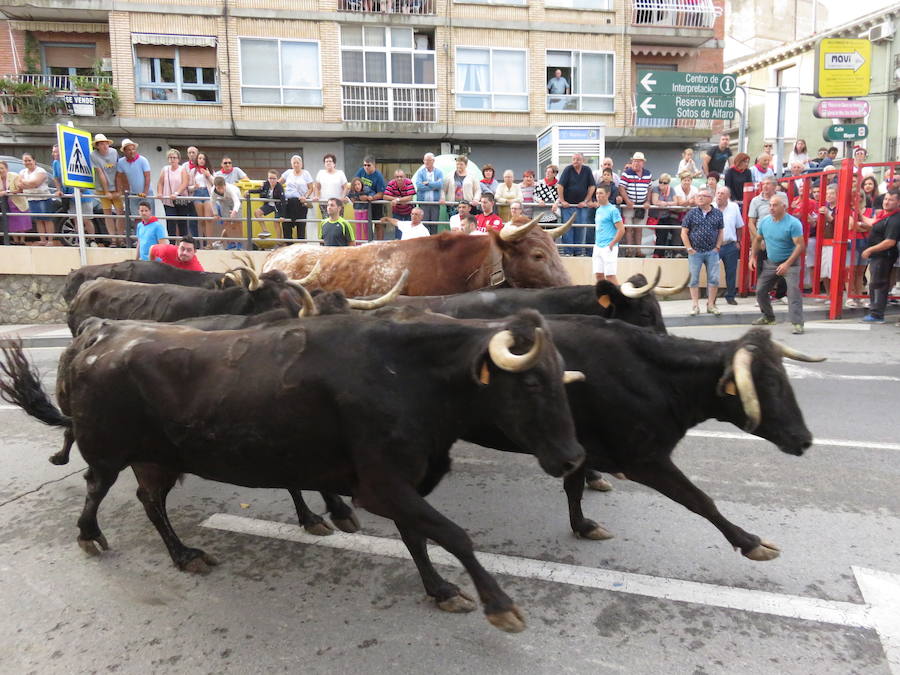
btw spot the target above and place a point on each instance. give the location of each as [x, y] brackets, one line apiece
[685, 96]
[845, 132]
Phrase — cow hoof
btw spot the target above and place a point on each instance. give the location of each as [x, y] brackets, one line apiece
[458, 604]
[600, 484]
[350, 524]
[322, 529]
[512, 621]
[59, 458]
[764, 551]
[95, 546]
[200, 564]
[596, 533]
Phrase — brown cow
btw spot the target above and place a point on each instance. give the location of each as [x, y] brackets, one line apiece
[522, 257]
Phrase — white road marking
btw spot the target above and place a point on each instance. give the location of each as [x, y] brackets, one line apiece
[881, 590]
[838, 326]
[836, 442]
[796, 372]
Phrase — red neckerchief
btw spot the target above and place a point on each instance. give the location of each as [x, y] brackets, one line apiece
[486, 181]
[760, 169]
[881, 215]
[153, 219]
[136, 157]
[226, 172]
[551, 182]
[191, 165]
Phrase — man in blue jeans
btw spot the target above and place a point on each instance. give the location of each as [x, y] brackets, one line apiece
[701, 232]
[575, 189]
[731, 237]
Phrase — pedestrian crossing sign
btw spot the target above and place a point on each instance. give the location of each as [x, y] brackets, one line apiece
[75, 156]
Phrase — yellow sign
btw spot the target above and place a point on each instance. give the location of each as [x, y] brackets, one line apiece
[843, 67]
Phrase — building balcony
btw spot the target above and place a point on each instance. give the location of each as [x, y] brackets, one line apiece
[388, 103]
[673, 21]
[37, 99]
[420, 7]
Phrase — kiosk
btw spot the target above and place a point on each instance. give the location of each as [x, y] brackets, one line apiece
[557, 143]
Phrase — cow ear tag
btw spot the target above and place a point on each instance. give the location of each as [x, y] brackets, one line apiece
[604, 301]
[485, 376]
[730, 389]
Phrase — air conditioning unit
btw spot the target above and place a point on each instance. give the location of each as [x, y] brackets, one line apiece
[883, 31]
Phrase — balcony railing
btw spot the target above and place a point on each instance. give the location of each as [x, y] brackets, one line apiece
[674, 13]
[377, 103]
[387, 6]
[59, 81]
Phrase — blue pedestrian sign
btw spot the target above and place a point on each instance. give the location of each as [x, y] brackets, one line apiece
[75, 156]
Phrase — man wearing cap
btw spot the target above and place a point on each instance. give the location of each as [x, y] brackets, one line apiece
[634, 188]
[133, 175]
[104, 159]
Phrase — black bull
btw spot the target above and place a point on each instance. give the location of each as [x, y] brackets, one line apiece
[142, 271]
[168, 400]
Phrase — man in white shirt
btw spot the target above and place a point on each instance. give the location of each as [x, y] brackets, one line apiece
[231, 173]
[226, 203]
[730, 251]
[410, 229]
[456, 220]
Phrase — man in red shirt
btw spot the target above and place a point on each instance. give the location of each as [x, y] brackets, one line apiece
[183, 256]
[487, 219]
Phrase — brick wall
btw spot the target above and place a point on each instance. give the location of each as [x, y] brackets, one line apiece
[12, 50]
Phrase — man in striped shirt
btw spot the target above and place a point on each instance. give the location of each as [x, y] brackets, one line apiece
[634, 188]
[400, 192]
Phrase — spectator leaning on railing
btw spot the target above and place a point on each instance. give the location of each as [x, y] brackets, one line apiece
[133, 175]
[461, 186]
[634, 186]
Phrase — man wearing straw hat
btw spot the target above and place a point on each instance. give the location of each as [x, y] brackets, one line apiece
[133, 176]
[104, 159]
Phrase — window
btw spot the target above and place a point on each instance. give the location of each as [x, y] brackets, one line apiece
[590, 77]
[386, 56]
[491, 79]
[579, 4]
[176, 74]
[68, 59]
[280, 72]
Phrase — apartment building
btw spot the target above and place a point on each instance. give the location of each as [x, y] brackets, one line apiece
[265, 79]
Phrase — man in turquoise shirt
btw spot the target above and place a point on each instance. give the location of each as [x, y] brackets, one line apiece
[610, 230]
[782, 235]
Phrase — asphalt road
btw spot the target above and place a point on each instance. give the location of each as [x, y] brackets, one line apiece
[667, 594]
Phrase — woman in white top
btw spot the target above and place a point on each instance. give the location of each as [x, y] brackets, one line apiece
[298, 184]
[685, 193]
[331, 183]
[172, 187]
[507, 193]
[799, 154]
[35, 185]
[687, 164]
[201, 185]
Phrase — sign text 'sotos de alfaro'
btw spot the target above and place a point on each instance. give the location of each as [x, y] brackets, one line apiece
[685, 96]
[843, 67]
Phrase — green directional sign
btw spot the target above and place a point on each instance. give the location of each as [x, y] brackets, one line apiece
[665, 94]
[845, 132]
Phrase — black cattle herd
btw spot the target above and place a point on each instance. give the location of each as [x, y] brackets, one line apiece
[254, 380]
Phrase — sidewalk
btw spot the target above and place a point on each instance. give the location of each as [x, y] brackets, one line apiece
[675, 313]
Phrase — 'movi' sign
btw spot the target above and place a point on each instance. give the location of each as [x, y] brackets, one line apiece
[843, 67]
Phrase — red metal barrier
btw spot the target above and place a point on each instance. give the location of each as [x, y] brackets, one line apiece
[848, 181]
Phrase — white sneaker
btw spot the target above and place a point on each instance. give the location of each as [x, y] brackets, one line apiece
[784, 300]
[851, 304]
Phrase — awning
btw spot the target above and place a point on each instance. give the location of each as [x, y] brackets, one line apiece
[657, 50]
[59, 26]
[173, 40]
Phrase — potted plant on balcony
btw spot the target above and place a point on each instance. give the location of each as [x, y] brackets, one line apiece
[34, 103]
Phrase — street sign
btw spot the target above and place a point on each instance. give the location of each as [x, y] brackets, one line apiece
[843, 67]
[845, 132]
[693, 96]
[841, 109]
[82, 106]
[75, 156]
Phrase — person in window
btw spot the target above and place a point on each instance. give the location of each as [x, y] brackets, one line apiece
[558, 86]
[334, 230]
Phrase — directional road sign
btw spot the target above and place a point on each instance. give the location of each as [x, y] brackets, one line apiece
[693, 96]
[843, 67]
[75, 156]
[841, 109]
[845, 132]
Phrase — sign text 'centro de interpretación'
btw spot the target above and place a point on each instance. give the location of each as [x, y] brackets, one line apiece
[685, 96]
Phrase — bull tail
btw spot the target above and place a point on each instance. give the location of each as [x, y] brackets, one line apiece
[20, 384]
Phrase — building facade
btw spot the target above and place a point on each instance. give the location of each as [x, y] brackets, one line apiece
[794, 66]
[264, 79]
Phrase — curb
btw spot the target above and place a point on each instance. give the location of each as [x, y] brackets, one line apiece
[746, 318]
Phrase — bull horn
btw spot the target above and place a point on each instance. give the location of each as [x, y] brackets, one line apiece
[498, 348]
[791, 353]
[743, 380]
[629, 290]
[384, 299]
[512, 232]
[663, 291]
[570, 376]
[233, 275]
[307, 306]
[254, 277]
[313, 275]
[559, 231]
